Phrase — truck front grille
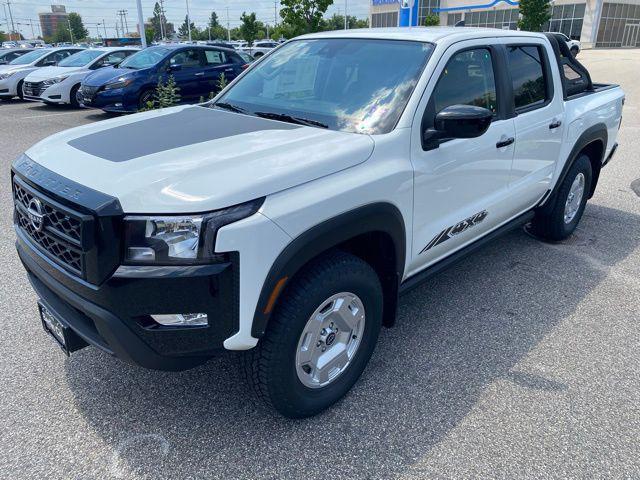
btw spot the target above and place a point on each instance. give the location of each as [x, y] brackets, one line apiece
[56, 229]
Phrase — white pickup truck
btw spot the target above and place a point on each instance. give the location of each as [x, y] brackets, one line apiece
[285, 217]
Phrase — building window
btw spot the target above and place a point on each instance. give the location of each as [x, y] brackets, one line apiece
[619, 26]
[453, 18]
[384, 19]
[505, 19]
[426, 8]
[566, 19]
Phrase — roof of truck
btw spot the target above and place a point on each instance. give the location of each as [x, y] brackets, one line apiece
[423, 34]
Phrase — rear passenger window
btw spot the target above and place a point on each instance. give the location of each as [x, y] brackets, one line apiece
[215, 57]
[527, 73]
[467, 80]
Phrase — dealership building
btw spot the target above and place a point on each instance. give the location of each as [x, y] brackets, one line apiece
[596, 23]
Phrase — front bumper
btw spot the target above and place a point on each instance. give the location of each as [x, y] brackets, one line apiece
[114, 316]
[8, 88]
[56, 93]
[113, 101]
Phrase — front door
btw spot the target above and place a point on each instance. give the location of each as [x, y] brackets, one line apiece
[461, 185]
[186, 68]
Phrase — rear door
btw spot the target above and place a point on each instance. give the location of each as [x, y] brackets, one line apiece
[539, 111]
[217, 63]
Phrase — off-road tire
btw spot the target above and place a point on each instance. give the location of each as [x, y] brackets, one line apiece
[270, 367]
[549, 222]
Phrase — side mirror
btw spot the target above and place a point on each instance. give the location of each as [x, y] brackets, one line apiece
[49, 63]
[174, 68]
[457, 121]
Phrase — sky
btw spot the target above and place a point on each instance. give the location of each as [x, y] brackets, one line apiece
[94, 12]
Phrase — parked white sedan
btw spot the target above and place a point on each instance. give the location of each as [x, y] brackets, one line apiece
[260, 48]
[59, 84]
[13, 74]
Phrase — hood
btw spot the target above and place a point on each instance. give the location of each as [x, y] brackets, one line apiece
[195, 159]
[15, 68]
[49, 72]
[104, 75]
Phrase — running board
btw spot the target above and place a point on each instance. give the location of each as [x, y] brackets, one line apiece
[415, 280]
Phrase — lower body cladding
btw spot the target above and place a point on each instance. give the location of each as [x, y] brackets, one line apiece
[116, 315]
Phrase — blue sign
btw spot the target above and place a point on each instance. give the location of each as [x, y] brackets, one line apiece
[383, 2]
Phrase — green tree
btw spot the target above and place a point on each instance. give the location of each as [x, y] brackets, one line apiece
[431, 21]
[250, 28]
[150, 34]
[3, 36]
[158, 22]
[61, 34]
[535, 13]
[183, 31]
[304, 16]
[77, 27]
[217, 30]
[336, 22]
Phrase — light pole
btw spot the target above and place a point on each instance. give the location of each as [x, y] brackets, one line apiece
[228, 29]
[70, 31]
[143, 34]
[188, 21]
[346, 22]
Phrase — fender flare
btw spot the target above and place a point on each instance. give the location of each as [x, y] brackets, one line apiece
[595, 133]
[376, 217]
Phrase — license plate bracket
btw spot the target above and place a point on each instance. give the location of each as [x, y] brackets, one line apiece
[63, 335]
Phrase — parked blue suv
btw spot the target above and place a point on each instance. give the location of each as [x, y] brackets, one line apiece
[129, 86]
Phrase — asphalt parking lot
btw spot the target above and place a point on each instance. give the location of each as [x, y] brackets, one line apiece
[520, 362]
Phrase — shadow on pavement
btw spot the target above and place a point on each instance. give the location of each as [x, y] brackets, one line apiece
[455, 335]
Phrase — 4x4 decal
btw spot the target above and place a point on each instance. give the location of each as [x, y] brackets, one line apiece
[456, 229]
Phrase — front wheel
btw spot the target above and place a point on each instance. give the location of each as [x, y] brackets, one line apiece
[19, 88]
[73, 96]
[574, 51]
[320, 338]
[561, 218]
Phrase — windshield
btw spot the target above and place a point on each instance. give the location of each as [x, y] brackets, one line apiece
[81, 59]
[30, 57]
[353, 85]
[145, 58]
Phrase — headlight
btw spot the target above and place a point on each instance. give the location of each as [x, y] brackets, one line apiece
[54, 80]
[6, 75]
[119, 83]
[180, 239]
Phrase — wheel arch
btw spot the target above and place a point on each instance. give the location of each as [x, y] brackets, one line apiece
[375, 232]
[593, 143]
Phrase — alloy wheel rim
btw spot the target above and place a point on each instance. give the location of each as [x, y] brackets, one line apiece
[574, 199]
[330, 340]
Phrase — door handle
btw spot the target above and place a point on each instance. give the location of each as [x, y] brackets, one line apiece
[199, 74]
[555, 124]
[505, 143]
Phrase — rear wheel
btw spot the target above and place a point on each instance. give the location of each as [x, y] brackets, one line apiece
[560, 219]
[320, 338]
[574, 51]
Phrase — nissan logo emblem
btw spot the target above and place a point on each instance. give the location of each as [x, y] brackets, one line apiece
[36, 215]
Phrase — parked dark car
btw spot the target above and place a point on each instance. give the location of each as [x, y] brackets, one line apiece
[129, 86]
[9, 54]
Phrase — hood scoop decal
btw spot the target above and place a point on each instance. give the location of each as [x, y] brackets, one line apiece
[167, 132]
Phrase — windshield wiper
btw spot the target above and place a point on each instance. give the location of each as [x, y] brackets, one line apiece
[291, 119]
[230, 107]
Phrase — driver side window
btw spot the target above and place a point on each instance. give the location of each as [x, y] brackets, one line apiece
[467, 79]
[186, 59]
